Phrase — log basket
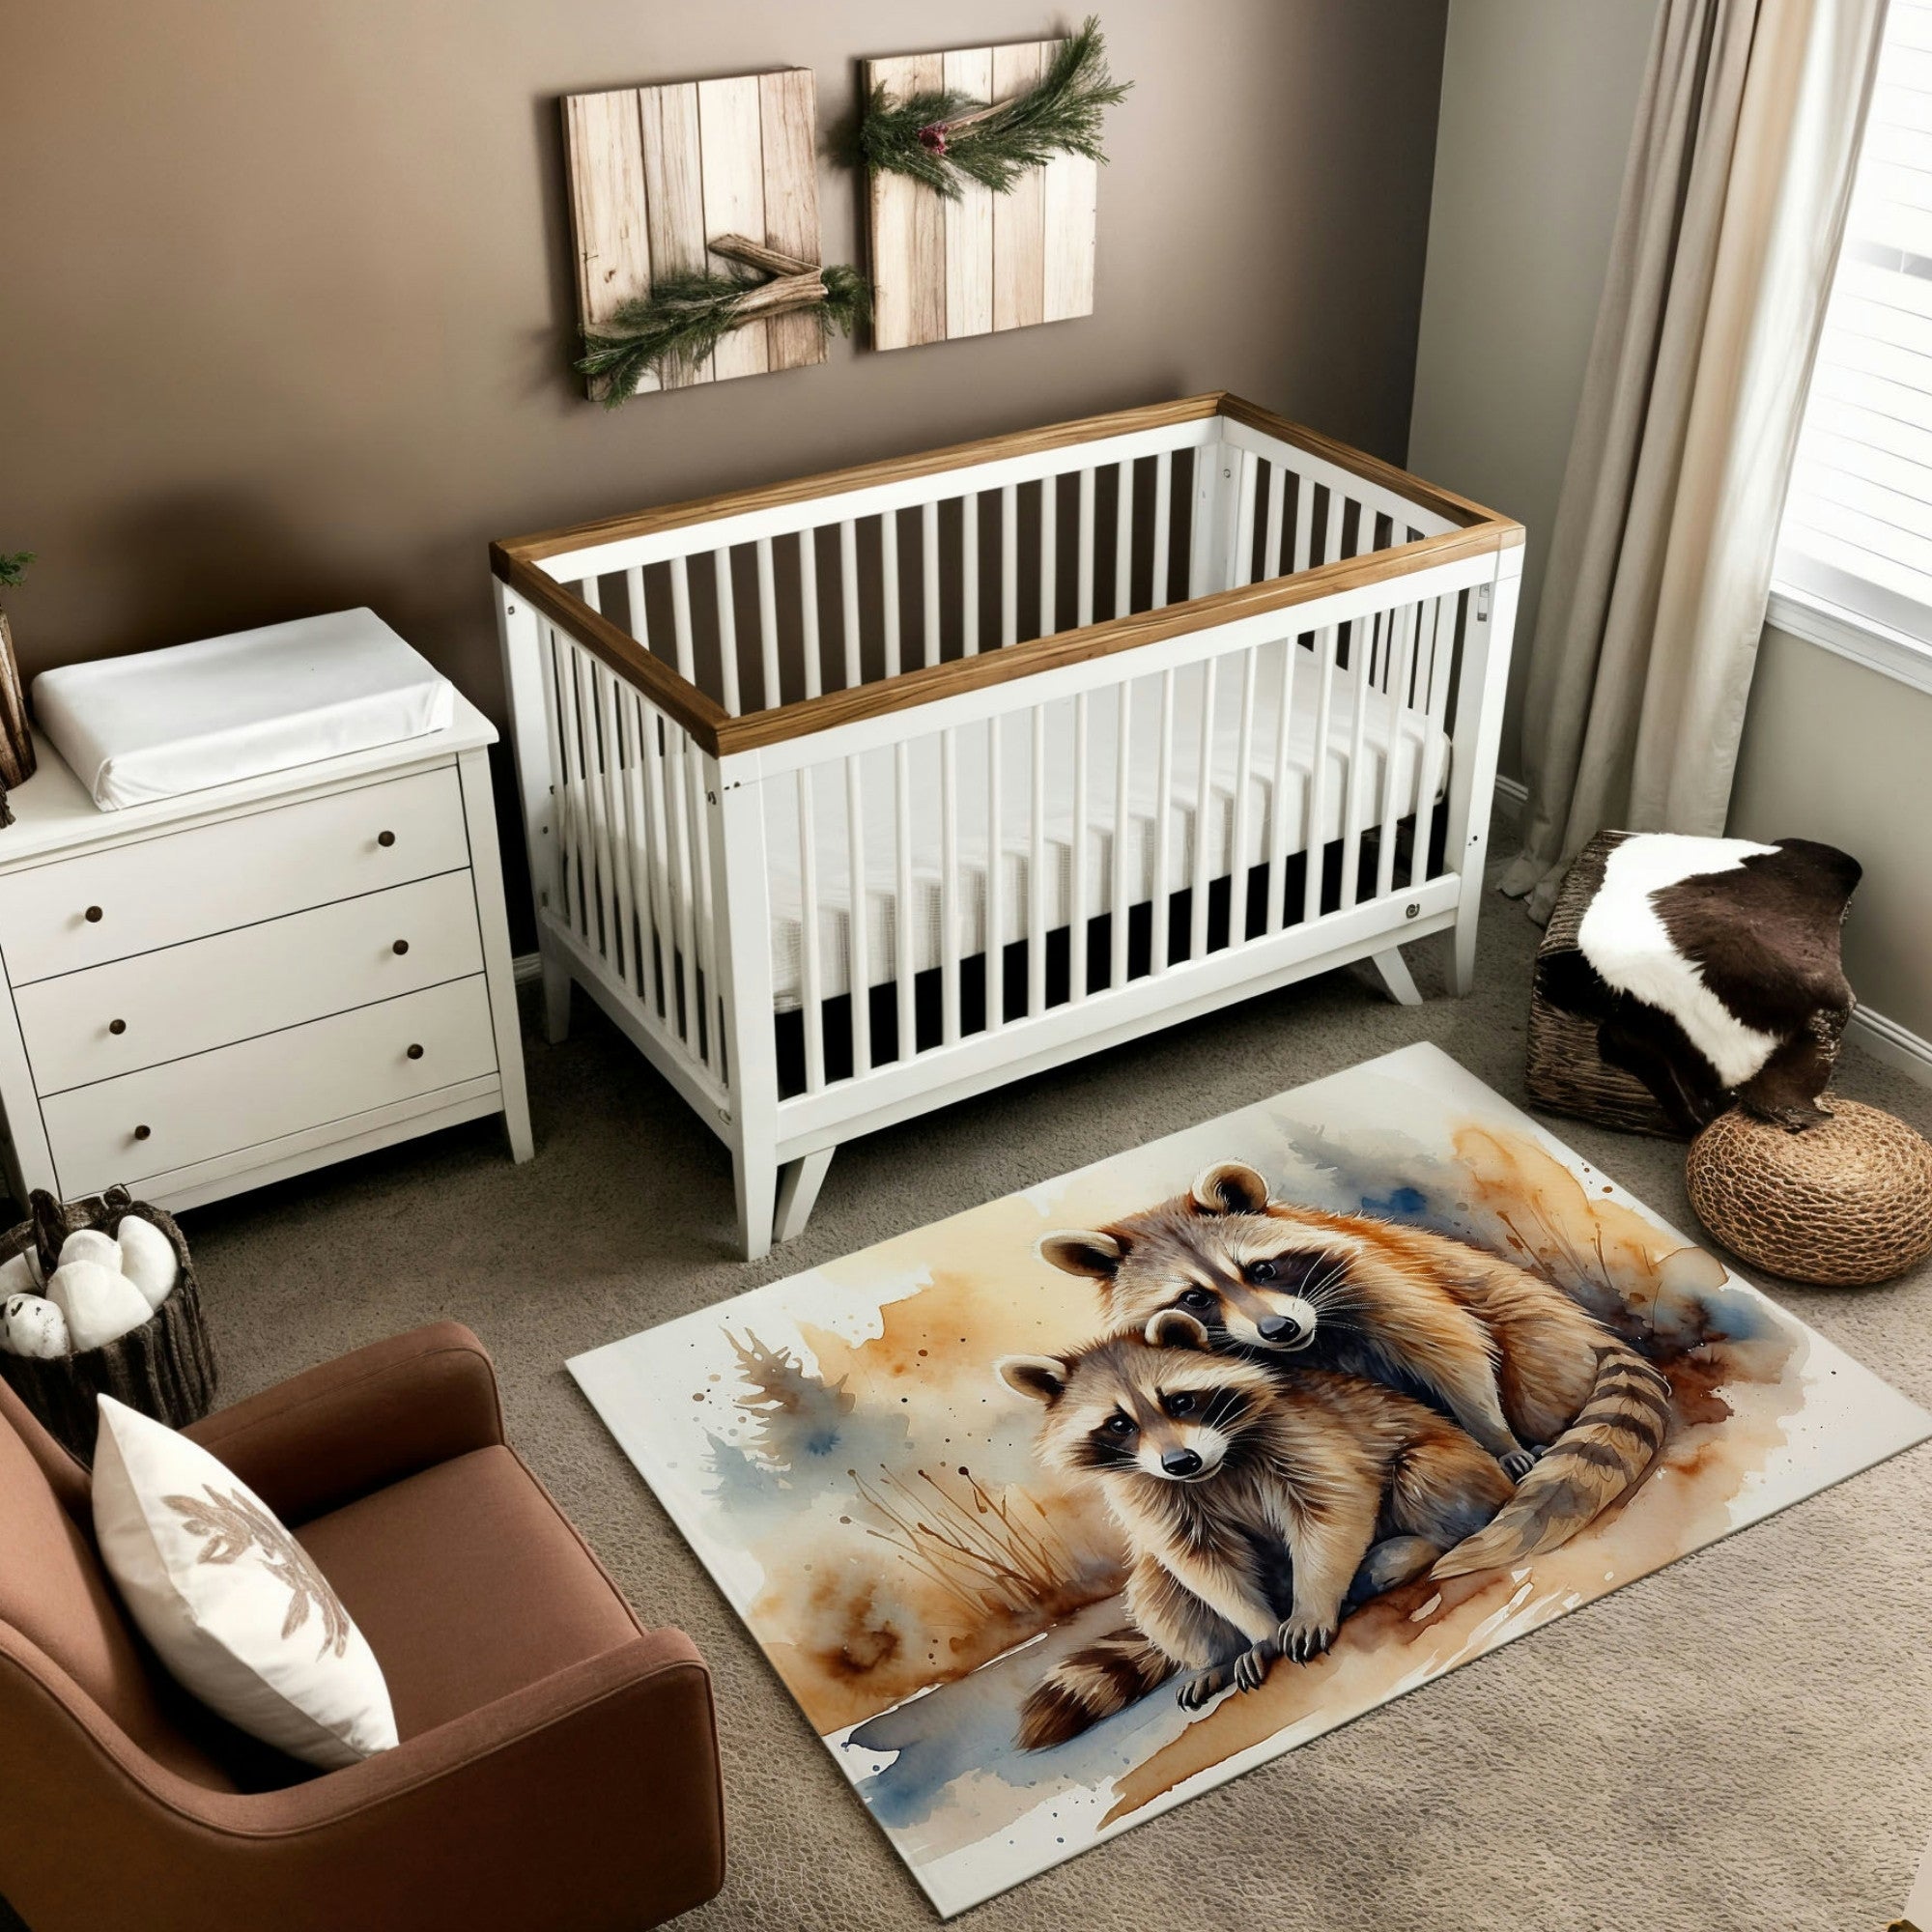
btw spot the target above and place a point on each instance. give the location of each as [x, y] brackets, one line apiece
[165, 1368]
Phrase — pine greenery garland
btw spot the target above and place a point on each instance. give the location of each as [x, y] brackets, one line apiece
[671, 330]
[942, 137]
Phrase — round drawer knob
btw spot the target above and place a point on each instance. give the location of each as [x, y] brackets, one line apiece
[401, 946]
[117, 1026]
[385, 839]
[94, 914]
[416, 1052]
[142, 1132]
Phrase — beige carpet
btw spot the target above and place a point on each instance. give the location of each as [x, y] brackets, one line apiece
[1734, 1743]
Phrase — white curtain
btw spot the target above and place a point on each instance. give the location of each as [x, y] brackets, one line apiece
[1734, 201]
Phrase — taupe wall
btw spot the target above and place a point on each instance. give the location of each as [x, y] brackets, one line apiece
[285, 302]
[1835, 752]
[1537, 96]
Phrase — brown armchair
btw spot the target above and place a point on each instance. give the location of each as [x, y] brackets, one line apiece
[557, 1767]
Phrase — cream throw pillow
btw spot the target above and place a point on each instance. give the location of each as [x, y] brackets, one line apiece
[232, 1603]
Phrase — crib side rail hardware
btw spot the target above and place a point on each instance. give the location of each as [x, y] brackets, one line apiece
[849, 797]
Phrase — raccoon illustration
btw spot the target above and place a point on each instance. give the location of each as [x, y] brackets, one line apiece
[1259, 1507]
[1509, 1356]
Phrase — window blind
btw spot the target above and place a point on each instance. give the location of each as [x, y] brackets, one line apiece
[1858, 522]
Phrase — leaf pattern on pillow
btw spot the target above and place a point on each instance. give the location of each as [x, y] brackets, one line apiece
[235, 1523]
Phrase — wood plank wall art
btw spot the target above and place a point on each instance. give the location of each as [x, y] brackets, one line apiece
[946, 268]
[657, 172]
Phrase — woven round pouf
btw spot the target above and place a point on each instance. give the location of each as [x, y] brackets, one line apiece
[1845, 1203]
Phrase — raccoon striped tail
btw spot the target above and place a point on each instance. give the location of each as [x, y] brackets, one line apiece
[1091, 1684]
[1600, 1456]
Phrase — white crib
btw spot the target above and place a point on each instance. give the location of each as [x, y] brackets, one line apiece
[897, 783]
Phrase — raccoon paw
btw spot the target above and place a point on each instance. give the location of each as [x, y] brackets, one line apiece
[1196, 1690]
[1519, 1462]
[1304, 1637]
[1251, 1667]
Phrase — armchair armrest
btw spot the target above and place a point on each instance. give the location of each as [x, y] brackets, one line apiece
[590, 1800]
[356, 1424]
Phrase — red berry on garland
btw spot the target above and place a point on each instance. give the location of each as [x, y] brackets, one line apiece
[932, 136]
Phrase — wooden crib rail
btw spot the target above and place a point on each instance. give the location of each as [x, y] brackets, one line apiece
[520, 564]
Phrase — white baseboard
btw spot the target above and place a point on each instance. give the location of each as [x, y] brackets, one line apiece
[1884, 1040]
[1897, 1046]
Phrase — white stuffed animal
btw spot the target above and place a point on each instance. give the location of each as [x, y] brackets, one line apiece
[21, 1274]
[100, 1304]
[147, 1257]
[30, 1324]
[90, 1244]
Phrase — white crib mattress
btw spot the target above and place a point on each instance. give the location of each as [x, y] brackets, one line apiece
[877, 778]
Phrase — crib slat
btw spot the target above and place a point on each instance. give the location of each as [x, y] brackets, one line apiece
[1362, 641]
[685, 889]
[658, 835]
[969, 572]
[928, 578]
[889, 586]
[1441, 612]
[768, 626]
[570, 868]
[1241, 568]
[1315, 824]
[1076, 956]
[1277, 898]
[1118, 899]
[619, 944]
[1163, 524]
[1277, 507]
[641, 731]
[1123, 539]
[1049, 555]
[1163, 820]
[995, 955]
[705, 919]
[680, 616]
[560, 814]
[808, 608]
[1203, 807]
[949, 885]
[902, 962]
[1239, 860]
[1304, 526]
[1037, 873]
[1406, 623]
[1083, 612]
[1331, 541]
[727, 629]
[634, 604]
[849, 587]
[858, 938]
[1009, 565]
[583, 850]
[812, 1009]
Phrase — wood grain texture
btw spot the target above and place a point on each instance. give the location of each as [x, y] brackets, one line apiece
[674, 191]
[908, 227]
[945, 269]
[657, 172]
[604, 141]
[969, 220]
[787, 123]
[1019, 234]
[731, 176]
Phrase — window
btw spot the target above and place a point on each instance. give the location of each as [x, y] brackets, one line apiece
[1854, 563]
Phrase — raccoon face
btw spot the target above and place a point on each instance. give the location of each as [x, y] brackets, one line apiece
[1163, 1406]
[1253, 1280]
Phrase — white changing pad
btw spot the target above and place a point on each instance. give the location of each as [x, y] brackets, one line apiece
[162, 723]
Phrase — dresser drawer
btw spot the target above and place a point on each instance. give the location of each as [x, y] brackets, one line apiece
[131, 1013]
[157, 892]
[215, 1103]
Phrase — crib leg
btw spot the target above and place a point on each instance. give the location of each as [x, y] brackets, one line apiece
[754, 1175]
[557, 1000]
[799, 1182]
[1396, 977]
[1464, 968]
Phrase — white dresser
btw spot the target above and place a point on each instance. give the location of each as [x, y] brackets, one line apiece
[233, 985]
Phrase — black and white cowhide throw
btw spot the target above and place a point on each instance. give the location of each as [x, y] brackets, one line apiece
[1712, 969]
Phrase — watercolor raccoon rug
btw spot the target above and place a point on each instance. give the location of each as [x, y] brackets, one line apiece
[1059, 1511]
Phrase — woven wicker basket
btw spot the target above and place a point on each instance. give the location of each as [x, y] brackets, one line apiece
[1843, 1204]
[165, 1368]
[1567, 1074]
